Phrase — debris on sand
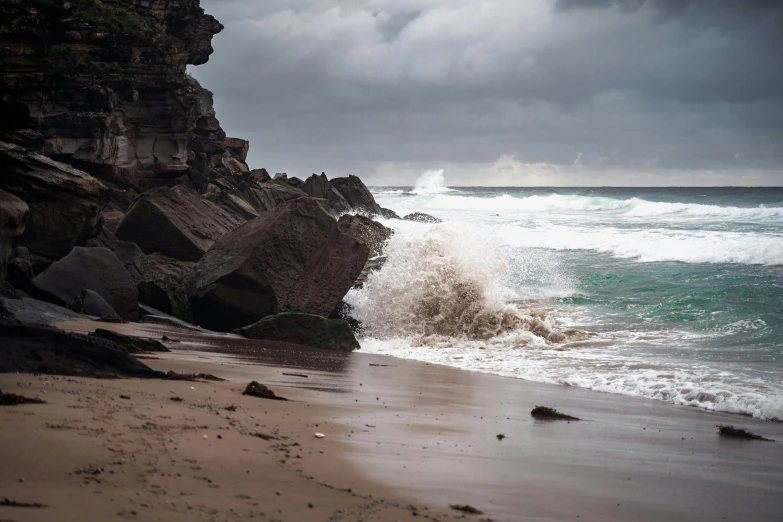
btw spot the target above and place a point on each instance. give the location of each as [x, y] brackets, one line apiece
[739, 433]
[466, 508]
[319, 435]
[256, 389]
[11, 399]
[546, 413]
[500, 436]
[126, 397]
[296, 375]
[174, 376]
[176, 399]
[232, 408]
[7, 502]
[265, 436]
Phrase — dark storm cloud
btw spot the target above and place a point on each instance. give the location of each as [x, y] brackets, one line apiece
[588, 89]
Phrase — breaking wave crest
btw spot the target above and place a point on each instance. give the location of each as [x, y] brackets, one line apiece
[431, 182]
[439, 286]
[633, 207]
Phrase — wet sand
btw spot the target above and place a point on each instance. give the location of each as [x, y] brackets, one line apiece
[402, 431]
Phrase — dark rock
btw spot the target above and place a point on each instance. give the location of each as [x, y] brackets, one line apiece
[90, 303]
[387, 213]
[52, 351]
[24, 311]
[176, 222]
[420, 217]
[96, 269]
[291, 259]
[342, 312]
[152, 316]
[304, 329]
[319, 187]
[65, 203]
[112, 220]
[20, 269]
[369, 232]
[238, 147]
[255, 389]
[13, 216]
[357, 194]
[129, 342]
[260, 176]
[293, 181]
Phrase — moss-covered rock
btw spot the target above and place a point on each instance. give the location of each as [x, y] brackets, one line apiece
[304, 329]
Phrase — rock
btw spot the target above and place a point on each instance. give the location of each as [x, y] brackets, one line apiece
[422, 218]
[20, 269]
[24, 311]
[90, 303]
[176, 222]
[161, 284]
[238, 147]
[369, 232]
[52, 351]
[272, 194]
[304, 329]
[319, 187]
[260, 176]
[293, 181]
[13, 216]
[256, 389]
[291, 259]
[389, 214]
[357, 194]
[65, 203]
[112, 220]
[342, 312]
[152, 316]
[96, 269]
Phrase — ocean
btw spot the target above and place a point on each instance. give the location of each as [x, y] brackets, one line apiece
[674, 294]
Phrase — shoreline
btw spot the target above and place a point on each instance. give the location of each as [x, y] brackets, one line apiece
[413, 433]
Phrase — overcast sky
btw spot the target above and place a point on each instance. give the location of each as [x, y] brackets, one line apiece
[505, 92]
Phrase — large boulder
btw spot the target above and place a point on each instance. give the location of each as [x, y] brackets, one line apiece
[369, 232]
[304, 329]
[269, 195]
[291, 259]
[176, 222]
[96, 269]
[319, 187]
[65, 203]
[357, 194]
[13, 216]
[159, 279]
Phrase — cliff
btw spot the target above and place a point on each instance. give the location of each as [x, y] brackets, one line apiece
[102, 85]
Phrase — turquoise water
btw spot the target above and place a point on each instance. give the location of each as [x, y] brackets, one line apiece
[683, 287]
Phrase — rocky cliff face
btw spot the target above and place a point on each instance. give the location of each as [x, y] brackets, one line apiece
[102, 85]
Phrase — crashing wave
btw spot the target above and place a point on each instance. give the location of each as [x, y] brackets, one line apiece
[440, 286]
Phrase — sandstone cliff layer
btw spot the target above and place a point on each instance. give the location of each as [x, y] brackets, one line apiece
[102, 85]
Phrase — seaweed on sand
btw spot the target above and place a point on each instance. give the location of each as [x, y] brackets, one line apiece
[546, 413]
[466, 508]
[11, 399]
[739, 433]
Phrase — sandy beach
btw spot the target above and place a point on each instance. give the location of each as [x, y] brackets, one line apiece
[403, 440]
